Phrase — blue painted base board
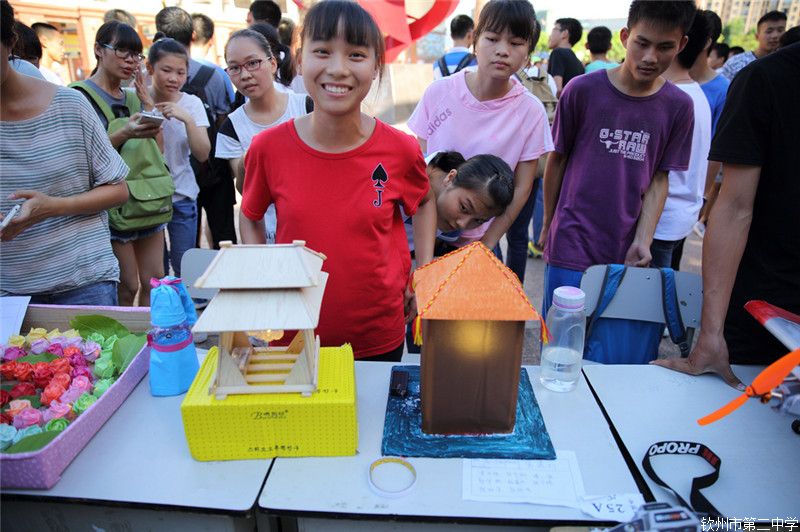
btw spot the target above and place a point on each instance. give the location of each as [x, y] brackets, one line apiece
[403, 436]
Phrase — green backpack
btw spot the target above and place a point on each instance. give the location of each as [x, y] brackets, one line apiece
[150, 184]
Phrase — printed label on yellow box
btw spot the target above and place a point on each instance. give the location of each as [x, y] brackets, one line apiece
[252, 426]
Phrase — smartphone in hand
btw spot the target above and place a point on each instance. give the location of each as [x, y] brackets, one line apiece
[151, 118]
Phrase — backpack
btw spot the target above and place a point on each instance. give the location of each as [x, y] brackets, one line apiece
[626, 341]
[150, 185]
[464, 63]
[539, 87]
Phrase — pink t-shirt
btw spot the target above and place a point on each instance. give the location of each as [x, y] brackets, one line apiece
[513, 127]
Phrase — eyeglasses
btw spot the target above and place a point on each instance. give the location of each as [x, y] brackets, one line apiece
[250, 66]
[124, 54]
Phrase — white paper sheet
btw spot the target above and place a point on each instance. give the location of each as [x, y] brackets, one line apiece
[12, 312]
[620, 507]
[552, 482]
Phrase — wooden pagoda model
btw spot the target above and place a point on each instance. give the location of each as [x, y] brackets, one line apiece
[473, 311]
[263, 291]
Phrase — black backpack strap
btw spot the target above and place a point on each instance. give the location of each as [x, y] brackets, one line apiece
[200, 80]
[309, 104]
[443, 67]
[464, 63]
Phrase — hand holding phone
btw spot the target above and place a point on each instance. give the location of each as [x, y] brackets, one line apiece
[151, 118]
[10, 216]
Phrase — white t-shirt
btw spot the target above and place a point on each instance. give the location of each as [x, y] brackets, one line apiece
[298, 86]
[238, 130]
[51, 76]
[685, 196]
[176, 147]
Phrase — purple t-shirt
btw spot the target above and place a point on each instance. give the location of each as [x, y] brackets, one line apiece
[615, 143]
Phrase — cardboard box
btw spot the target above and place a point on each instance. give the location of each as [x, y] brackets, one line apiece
[42, 469]
[242, 427]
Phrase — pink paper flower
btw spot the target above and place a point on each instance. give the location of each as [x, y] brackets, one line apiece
[27, 417]
[72, 341]
[91, 350]
[83, 383]
[17, 406]
[71, 395]
[56, 349]
[13, 352]
[39, 346]
[51, 393]
[76, 360]
[84, 371]
[57, 409]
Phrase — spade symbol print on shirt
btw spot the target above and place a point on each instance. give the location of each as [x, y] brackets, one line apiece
[379, 178]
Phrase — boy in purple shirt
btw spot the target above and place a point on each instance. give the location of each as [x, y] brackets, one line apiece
[617, 134]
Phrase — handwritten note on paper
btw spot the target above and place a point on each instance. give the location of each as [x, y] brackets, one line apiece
[553, 482]
[12, 312]
[620, 507]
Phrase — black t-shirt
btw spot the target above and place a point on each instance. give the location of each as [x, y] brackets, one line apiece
[563, 62]
[760, 126]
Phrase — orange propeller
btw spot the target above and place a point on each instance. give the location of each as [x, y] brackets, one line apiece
[772, 377]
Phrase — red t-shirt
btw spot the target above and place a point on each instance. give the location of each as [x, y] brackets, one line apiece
[345, 205]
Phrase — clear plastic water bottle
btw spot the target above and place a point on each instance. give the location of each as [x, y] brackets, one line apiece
[562, 355]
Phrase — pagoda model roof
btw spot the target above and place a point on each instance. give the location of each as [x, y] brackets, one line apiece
[470, 284]
[262, 267]
[261, 310]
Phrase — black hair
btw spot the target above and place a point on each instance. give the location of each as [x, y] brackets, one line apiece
[251, 33]
[772, 16]
[736, 50]
[447, 160]
[28, 46]
[286, 31]
[698, 36]
[714, 26]
[281, 52]
[120, 15]
[7, 35]
[460, 26]
[176, 23]
[163, 46]
[598, 40]
[266, 11]
[516, 15]
[573, 26]
[119, 35]
[323, 22]
[490, 174]
[722, 50]
[667, 14]
[43, 27]
[790, 36]
[203, 27]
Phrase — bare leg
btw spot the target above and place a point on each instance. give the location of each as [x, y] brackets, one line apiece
[150, 261]
[128, 272]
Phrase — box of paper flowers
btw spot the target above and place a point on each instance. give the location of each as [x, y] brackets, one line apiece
[60, 382]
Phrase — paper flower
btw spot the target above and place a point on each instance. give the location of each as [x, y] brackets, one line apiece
[7, 434]
[71, 395]
[39, 346]
[72, 350]
[108, 343]
[42, 373]
[55, 333]
[78, 371]
[16, 341]
[82, 383]
[56, 349]
[71, 333]
[62, 379]
[76, 360]
[83, 402]
[27, 431]
[27, 417]
[61, 365]
[17, 406]
[5, 397]
[23, 371]
[35, 334]
[104, 368]
[71, 341]
[91, 350]
[101, 386]
[6, 418]
[56, 425]
[13, 352]
[51, 393]
[56, 410]
[23, 388]
[8, 369]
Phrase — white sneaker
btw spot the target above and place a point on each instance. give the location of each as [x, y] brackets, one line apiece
[699, 229]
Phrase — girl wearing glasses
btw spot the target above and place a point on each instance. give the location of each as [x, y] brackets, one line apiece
[185, 134]
[338, 179]
[118, 50]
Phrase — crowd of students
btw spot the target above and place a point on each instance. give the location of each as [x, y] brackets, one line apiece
[626, 161]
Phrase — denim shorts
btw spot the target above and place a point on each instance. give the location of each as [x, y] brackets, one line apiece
[101, 293]
[130, 236]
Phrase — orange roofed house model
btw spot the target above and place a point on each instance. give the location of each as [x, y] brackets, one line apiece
[473, 311]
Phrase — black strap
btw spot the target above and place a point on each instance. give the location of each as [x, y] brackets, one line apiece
[464, 63]
[309, 104]
[201, 79]
[700, 505]
[443, 67]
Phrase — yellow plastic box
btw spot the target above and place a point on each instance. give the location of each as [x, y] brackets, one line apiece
[242, 427]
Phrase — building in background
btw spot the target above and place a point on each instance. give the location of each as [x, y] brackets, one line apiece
[751, 10]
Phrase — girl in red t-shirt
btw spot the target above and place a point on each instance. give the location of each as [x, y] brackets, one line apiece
[338, 179]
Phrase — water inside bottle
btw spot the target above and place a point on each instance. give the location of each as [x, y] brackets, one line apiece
[560, 367]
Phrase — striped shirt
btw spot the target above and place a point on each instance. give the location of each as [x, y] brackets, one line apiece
[62, 152]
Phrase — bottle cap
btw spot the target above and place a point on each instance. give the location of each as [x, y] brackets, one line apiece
[569, 297]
